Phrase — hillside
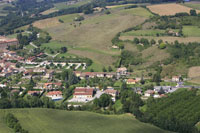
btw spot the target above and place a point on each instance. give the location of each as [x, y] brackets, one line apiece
[51, 121]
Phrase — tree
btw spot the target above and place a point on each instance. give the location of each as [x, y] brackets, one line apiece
[104, 100]
[63, 49]
[110, 69]
[136, 41]
[153, 42]
[107, 12]
[157, 78]
[162, 46]
[160, 41]
[193, 12]
[104, 69]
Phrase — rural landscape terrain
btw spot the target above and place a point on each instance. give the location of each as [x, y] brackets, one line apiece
[93, 66]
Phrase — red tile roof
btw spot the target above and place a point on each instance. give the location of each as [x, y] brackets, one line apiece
[54, 93]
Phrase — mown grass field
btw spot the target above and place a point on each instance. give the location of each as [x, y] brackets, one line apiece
[60, 121]
[92, 37]
[193, 31]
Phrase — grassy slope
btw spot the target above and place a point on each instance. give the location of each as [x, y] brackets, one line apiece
[60, 121]
[193, 31]
[92, 38]
[195, 5]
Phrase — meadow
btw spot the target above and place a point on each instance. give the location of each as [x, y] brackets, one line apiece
[92, 37]
[61, 121]
[193, 31]
[195, 5]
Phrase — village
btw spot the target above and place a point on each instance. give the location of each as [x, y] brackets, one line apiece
[43, 73]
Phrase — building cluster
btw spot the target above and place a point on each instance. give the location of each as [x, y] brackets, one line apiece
[6, 42]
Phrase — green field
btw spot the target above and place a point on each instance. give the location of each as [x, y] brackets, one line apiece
[60, 121]
[193, 31]
[63, 5]
[92, 37]
[195, 5]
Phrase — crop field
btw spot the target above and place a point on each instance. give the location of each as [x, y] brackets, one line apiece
[169, 9]
[193, 31]
[49, 11]
[92, 37]
[61, 121]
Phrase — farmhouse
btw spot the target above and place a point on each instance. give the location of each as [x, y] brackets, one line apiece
[112, 92]
[55, 95]
[52, 86]
[122, 72]
[149, 93]
[176, 78]
[83, 93]
[131, 81]
[33, 93]
[5, 42]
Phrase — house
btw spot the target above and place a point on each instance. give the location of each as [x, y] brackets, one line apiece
[83, 93]
[137, 90]
[112, 92]
[52, 86]
[162, 89]
[5, 42]
[131, 81]
[176, 78]
[49, 74]
[77, 73]
[122, 72]
[33, 93]
[149, 93]
[39, 70]
[55, 95]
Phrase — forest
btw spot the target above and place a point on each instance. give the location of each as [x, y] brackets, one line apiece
[179, 112]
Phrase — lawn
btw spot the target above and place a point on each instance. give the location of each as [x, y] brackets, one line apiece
[193, 31]
[60, 121]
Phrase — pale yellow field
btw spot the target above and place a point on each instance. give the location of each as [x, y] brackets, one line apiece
[46, 23]
[169, 9]
[49, 11]
[194, 72]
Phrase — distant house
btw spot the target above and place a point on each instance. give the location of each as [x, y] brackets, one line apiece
[49, 74]
[83, 93]
[55, 95]
[33, 93]
[112, 92]
[165, 89]
[5, 42]
[122, 72]
[39, 70]
[52, 86]
[176, 78]
[131, 81]
[149, 93]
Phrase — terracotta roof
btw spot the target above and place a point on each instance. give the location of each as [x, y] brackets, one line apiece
[58, 84]
[110, 91]
[54, 93]
[86, 93]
